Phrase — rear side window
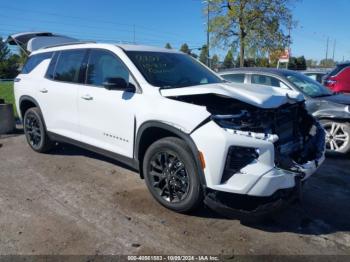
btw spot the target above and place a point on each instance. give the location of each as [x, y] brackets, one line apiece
[33, 61]
[267, 81]
[235, 78]
[338, 69]
[69, 66]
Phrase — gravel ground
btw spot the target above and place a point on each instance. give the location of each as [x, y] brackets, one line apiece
[72, 201]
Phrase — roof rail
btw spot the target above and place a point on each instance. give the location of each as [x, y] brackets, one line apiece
[70, 43]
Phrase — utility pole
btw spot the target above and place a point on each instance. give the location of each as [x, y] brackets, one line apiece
[335, 42]
[208, 18]
[134, 34]
[327, 49]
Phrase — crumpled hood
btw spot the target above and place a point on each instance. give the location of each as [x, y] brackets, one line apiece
[256, 95]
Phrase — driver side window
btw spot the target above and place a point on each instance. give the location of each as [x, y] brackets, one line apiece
[103, 65]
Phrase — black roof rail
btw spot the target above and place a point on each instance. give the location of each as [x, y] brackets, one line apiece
[70, 43]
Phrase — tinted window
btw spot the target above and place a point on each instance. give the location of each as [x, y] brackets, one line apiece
[338, 69]
[307, 86]
[312, 76]
[235, 78]
[171, 70]
[315, 76]
[104, 65]
[35, 60]
[69, 65]
[267, 81]
[52, 65]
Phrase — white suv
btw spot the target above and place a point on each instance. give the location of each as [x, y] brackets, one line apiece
[189, 133]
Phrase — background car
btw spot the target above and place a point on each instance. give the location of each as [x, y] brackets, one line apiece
[339, 78]
[332, 109]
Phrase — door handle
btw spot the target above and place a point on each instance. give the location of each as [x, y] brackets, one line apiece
[43, 90]
[87, 97]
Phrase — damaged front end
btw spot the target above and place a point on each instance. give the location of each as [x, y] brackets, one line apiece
[298, 141]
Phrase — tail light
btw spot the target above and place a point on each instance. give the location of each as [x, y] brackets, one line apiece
[330, 82]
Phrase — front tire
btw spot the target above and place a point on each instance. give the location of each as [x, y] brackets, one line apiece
[35, 132]
[337, 136]
[171, 175]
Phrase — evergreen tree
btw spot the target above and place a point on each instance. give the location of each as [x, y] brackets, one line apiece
[228, 61]
[184, 48]
[214, 62]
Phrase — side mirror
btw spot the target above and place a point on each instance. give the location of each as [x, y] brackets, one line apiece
[115, 83]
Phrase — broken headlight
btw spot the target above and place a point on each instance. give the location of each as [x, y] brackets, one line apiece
[239, 121]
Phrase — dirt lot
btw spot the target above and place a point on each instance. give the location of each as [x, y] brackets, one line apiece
[72, 201]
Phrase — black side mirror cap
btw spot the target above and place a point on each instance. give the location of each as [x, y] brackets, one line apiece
[116, 83]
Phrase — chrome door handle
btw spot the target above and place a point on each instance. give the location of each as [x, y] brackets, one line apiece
[87, 97]
[43, 90]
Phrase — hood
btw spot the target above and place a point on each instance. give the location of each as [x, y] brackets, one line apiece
[256, 95]
[343, 99]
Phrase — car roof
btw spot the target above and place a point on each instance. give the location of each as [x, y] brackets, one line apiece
[275, 71]
[125, 47]
[343, 63]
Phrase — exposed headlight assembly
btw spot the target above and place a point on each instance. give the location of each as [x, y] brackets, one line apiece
[238, 121]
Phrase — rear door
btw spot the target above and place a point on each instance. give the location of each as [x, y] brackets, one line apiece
[59, 92]
[343, 80]
[107, 117]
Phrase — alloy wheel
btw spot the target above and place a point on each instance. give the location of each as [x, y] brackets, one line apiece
[169, 176]
[336, 137]
[32, 129]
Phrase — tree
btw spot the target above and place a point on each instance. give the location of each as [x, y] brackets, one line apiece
[168, 46]
[228, 61]
[214, 62]
[262, 62]
[259, 23]
[9, 63]
[310, 63]
[301, 63]
[293, 63]
[4, 51]
[184, 48]
[9, 67]
[203, 56]
[327, 62]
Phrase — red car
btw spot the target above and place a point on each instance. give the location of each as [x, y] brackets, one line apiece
[339, 79]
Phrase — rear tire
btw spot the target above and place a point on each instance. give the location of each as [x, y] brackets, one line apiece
[337, 136]
[35, 131]
[171, 175]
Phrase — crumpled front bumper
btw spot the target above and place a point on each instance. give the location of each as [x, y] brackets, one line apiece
[250, 208]
[260, 178]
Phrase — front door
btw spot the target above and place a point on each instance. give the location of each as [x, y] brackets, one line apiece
[107, 117]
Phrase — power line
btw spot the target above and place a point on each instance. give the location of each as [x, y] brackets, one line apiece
[89, 20]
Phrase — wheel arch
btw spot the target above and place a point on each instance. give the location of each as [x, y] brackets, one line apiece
[151, 131]
[26, 102]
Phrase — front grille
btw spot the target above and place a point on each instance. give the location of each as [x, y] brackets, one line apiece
[237, 158]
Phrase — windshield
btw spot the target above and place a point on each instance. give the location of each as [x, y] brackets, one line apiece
[171, 70]
[307, 85]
